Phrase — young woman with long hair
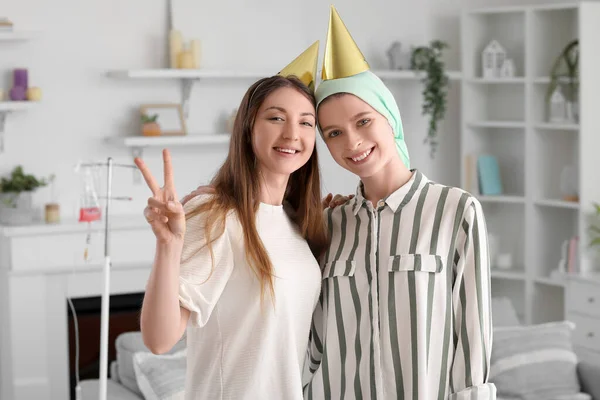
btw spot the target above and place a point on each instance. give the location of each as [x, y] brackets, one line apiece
[237, 268]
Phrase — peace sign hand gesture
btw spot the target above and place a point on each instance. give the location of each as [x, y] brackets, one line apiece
[164, 212]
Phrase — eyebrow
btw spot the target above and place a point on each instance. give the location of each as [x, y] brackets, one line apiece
[355, 117]
[283, 110]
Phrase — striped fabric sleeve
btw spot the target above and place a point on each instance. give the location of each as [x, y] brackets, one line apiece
[314, 353]
[471, 297]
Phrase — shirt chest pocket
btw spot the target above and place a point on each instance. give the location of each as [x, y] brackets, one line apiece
[339, 268]
[415, 262]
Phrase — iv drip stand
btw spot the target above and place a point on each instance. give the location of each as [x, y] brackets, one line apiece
[105, 304]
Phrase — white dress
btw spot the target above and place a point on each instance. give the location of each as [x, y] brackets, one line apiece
[238, 348]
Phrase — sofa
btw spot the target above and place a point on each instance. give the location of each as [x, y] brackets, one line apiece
[137, 371]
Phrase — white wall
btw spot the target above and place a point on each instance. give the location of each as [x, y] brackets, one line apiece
[81, 40]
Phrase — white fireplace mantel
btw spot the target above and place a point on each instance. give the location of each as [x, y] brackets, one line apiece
[40, 267]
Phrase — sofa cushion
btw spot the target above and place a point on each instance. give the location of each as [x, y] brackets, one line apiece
[503, 312]
[127, 344]
[90, 390]
[535, 362]
[161, 377]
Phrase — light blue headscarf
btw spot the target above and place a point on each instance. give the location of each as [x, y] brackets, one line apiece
[369, 88]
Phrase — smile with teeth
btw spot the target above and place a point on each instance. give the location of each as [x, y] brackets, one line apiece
[362, 156]
[288, 151]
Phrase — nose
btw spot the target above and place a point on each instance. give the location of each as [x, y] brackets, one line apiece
[353, 140]
[291, 131]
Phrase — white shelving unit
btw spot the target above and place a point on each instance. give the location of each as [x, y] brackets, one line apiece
[506, 118]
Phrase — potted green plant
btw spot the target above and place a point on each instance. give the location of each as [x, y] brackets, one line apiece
[150, 125]
[16, 197]
[594, 226]
[436, 83]
[565, 70]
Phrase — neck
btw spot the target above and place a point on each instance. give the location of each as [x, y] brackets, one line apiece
[272, 187]
[386, 181]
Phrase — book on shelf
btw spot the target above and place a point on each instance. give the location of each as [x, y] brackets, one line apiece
[569, 263]
[471, 175]
[490, 183]
[482, 175]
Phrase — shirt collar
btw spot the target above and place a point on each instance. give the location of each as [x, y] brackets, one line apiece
[399, 198]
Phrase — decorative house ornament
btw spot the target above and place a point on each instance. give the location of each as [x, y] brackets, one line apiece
[397, 58]
[508, 69]
[557, 106]
[492, 59]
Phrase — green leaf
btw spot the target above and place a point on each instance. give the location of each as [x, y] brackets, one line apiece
[435, 90]
[20, 182]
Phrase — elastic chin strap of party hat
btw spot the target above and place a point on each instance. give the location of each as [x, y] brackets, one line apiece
[345, 70]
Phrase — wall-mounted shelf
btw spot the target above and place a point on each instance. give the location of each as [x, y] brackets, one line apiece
[10, 106]
[411, 75]
[17, 35]
[239, 74]
[189, 76]
[492, 81]
[138, 143]
[170, 73]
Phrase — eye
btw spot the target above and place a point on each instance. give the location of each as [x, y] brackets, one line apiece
[363, 121]
[307, 123]
[275, 119]
[333, 134]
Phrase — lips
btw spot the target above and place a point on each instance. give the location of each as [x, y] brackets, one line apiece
[360, 157]
[286, 150]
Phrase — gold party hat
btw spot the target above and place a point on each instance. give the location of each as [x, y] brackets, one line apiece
[342, 56]
[304, 67]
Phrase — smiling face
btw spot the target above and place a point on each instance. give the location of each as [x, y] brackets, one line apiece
[359, 138]
[283, 135]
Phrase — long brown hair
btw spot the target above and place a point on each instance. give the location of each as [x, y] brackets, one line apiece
[237, 186]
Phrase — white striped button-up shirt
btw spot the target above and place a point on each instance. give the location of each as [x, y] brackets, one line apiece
[405, 308]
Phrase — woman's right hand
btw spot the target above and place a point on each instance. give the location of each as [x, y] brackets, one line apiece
[332, 201]
[164, 212]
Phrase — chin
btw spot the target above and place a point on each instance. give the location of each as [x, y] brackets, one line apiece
[363, 171]
[286, 169]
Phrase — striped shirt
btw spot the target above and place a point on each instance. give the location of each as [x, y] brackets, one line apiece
[405, 308]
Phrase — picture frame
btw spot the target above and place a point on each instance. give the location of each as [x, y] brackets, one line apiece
[169, 117]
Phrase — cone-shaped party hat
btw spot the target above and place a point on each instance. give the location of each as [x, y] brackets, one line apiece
[342, 58]
[304, 67]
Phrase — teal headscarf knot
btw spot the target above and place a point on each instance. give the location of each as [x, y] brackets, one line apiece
[369, 88]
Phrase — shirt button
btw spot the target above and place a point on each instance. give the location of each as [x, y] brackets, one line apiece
[381, 203]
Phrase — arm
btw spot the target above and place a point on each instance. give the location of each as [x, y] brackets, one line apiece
[471, 299]
[184, 283]
[163, 321]
[203, 276]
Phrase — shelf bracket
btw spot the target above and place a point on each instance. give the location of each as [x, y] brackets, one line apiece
[2, 129]
[137, 175]
[186, 93]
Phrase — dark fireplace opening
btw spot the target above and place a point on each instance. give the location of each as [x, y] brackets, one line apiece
[123, 317]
